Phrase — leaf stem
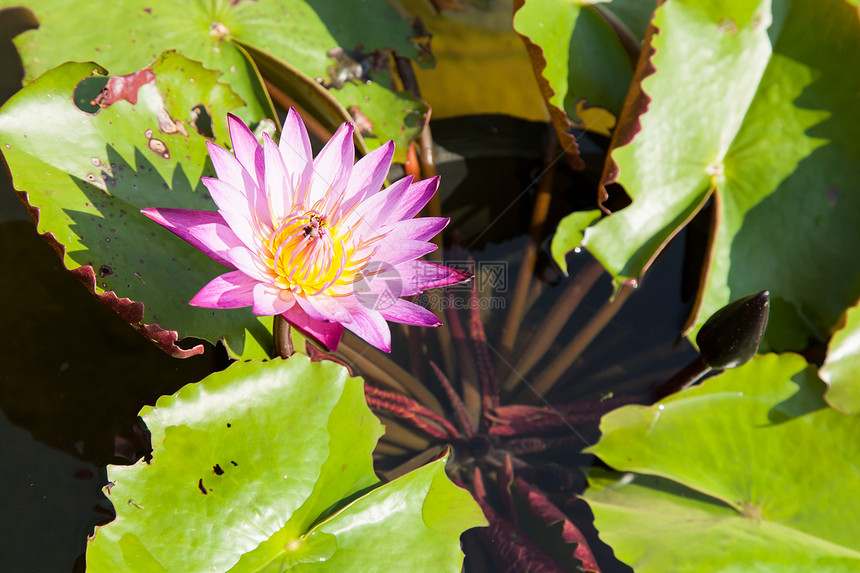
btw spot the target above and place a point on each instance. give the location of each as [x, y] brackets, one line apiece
[387, 372]
[555, 320]
[283, 340]
[513, 320]
[574, 348]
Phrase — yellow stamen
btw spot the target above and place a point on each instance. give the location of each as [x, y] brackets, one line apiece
[310, 257]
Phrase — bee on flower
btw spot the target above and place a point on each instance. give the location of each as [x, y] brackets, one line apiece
[305, 237]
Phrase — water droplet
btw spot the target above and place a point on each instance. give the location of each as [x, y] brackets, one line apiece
[740, 394]
[660, 407]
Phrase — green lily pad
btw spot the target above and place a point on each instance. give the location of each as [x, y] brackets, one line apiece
[267, 466]
[581, 63]
[568, 235]
[86, 175]
[751, 471]
[841, 369]
[478, 56]
[126, 35]
[752, 111]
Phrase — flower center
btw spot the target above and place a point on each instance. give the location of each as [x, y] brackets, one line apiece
[308, 256]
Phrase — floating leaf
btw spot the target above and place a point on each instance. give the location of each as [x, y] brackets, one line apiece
[581, 64]
[841, 370]
[568, 235]
[479, 57]
[87, 173]
[754, 473]
[126, 35]
[753, 112]
[266, 467]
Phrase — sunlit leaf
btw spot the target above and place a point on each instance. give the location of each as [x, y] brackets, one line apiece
[581, 62]
[751, 471]
[126, 35]
[267, 467]
[568, 235]
[841, 370]
[757, 114]
[88, 174]
[481, 66]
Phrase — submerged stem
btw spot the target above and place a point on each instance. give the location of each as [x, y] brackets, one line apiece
[524, 278]
[574, 348]
[555, 320]
[388, 373]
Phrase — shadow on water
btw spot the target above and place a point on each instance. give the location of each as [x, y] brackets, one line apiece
[68, 386]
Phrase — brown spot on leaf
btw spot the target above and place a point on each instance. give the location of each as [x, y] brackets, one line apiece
[728, 25]
[124, 87]
[202, 120]
[353, 66]
[362, 122]
[218, 31]
[159, 147]
[167, 125]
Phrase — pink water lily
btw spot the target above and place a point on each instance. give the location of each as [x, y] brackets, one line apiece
[314, 240]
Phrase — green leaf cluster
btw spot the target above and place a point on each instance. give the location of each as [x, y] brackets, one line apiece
[267, 467]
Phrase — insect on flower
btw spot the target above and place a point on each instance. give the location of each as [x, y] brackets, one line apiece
[314, 240]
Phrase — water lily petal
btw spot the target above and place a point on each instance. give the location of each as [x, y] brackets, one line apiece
[205, 230]
[326, 333]
[368, 175]
[371, 215]
[402, 200]
[233, 206]
[420, 275]
[409, 313]
[229, 170]
[270, 300]
[413, 199]
[421, 229]
[324, 307]
[227, 167]
[295, 148]
[230, 290]
[277, 189]
[246, 149]
[395, 252]
[332, 169]
[249, 263]
[369, 325]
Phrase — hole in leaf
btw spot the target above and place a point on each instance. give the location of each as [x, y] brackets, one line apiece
[202, 121]
[104, 271]
[86, 92]
[217, 469]
[202, 487]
